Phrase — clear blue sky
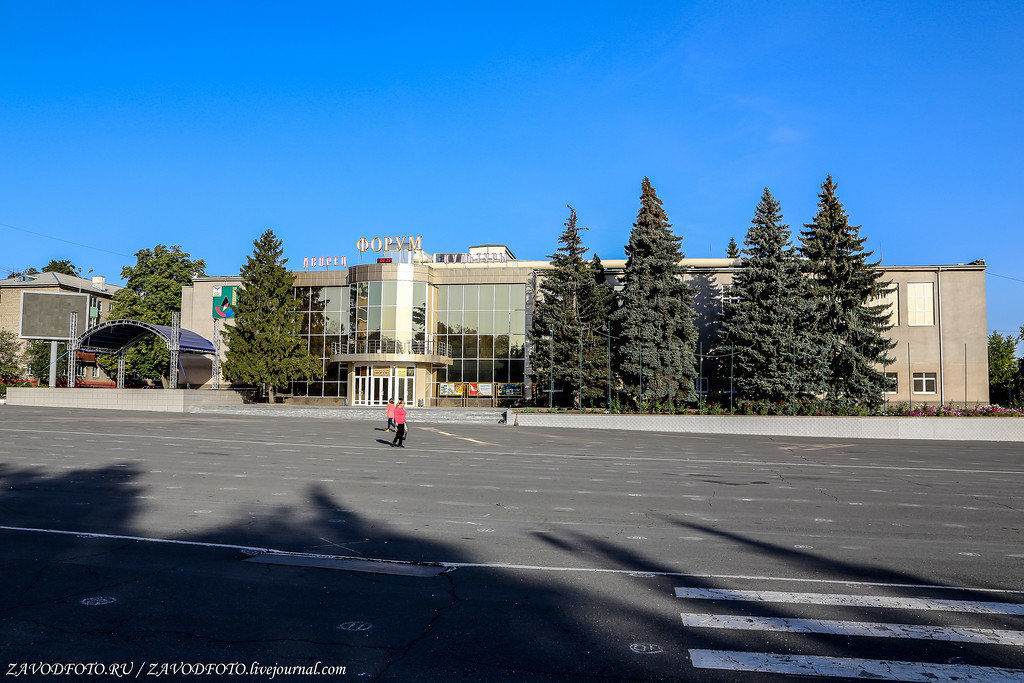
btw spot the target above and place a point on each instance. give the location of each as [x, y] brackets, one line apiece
[125, 125]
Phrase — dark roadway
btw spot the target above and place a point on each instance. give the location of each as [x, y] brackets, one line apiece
[570, 555]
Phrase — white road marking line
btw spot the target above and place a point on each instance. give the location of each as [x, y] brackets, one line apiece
[456, 436]
[966, 606]
[845, 667]
[570, 456]
[955, 634]
[525, 567]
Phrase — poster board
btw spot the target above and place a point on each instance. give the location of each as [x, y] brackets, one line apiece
[47, 315]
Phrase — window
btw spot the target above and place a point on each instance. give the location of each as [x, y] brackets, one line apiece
[891, 299]
[96, 371]
[80, 370]
[892, 383]
[924, 382]
[729, 295]
[920, 310]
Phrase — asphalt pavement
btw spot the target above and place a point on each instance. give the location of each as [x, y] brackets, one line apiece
[219, 545]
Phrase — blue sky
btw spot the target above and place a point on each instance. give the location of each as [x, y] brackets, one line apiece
[125, 125]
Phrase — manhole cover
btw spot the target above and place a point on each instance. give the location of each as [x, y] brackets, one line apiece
[102, 600]
[646, 648]
[355, 626]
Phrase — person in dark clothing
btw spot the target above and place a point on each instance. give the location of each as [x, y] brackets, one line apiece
[400, 422]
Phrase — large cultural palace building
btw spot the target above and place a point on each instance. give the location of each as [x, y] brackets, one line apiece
[451, 329]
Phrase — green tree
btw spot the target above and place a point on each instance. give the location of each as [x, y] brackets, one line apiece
[563, 321]
[600, 302]
[849, 326]
[264, 346]
[10, 356]
[733, 250]
[655, 321]
[25, 271]
[37, 357]
[151, 293]
[767, 329]
[64, 266]
[1002, 366]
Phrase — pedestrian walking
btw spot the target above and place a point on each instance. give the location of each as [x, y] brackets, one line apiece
[400, 421]
[390, 413]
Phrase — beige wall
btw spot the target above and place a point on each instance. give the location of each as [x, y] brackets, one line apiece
[959, 306]
[10, 316]
[197, 316]
[958, 310]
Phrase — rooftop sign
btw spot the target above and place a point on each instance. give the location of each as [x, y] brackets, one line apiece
[409, 243]
[487, 257]
[324, 261]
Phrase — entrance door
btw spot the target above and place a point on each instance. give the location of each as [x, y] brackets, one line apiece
[374, 387]
[381, 391]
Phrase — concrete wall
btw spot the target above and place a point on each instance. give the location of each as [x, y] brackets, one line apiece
[940, 428]
[164, 401]
[197, 316]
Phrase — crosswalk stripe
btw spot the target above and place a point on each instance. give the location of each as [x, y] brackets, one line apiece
[877, 669]
[958, 634]
[967, 606]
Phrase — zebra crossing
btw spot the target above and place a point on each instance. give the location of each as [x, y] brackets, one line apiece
[789, 618]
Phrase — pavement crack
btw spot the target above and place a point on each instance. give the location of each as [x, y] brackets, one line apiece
[825, 493]
[426, 629]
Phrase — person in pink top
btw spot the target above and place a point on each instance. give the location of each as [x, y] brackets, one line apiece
[400, 421]
[389, 412]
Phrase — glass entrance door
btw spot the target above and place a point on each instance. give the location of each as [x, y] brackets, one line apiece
[374, 387]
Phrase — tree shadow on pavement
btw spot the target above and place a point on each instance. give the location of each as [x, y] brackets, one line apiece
[214, 599]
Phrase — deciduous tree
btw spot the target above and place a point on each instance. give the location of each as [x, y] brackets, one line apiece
[10, 356]
[151, 293]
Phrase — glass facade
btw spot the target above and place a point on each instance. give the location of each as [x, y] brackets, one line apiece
[324, 321]
[484, 326]
[485, 329]
[383, 313]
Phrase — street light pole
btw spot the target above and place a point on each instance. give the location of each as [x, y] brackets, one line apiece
[608, 329]
[551, 375]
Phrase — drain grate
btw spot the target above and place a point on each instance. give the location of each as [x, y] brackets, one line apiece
[350, 564]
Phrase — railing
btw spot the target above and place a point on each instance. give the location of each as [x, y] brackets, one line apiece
[428, 347]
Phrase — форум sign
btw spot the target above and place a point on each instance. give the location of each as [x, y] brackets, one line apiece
[409, 243]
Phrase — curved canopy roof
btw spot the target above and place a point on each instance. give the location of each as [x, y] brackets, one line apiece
[114, 335]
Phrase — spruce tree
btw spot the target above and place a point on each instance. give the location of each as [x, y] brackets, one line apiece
[849, 327]
[559, 318]
[767, 329]
[655, 321]
[264, 346]
[733, 250]
[598, 306]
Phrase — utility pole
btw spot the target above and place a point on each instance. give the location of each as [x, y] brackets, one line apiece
[794, 377]
[608, 328]
[670, 376]
[700, 382]
[551, 375]
[581, 367]
[641, 342]
[732, 391]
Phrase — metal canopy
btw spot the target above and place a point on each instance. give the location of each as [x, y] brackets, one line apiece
[115, 336]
